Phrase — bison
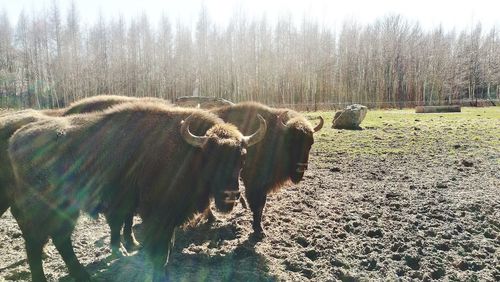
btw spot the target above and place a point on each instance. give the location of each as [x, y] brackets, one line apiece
[281, 157]
[134, 156]
[12, 121]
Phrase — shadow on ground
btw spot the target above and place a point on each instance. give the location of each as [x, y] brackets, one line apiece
[200, 254]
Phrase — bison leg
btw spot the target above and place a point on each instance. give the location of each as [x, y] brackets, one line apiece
[128, 234]
[34, 249]
[34, 240]
[115, 223]
[63, 245]
[257, 202]
[4, 202]
[4, 205]
[209, 216]
[158, 243]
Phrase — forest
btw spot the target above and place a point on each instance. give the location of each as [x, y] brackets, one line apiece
[51, 58]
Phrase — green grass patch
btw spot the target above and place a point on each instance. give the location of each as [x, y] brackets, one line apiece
[395, 132]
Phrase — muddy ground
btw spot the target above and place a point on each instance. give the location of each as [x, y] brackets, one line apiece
[410, 197]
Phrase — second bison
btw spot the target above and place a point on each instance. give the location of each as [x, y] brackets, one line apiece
[281, 157]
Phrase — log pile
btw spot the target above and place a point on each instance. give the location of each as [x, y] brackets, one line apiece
[438, 109]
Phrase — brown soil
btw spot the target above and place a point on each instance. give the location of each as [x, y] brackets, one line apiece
[420, 216]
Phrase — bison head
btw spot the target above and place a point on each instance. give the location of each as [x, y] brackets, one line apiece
[298, 139]
[224, 153]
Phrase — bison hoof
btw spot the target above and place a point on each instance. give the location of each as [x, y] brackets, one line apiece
[210, 218]
[258, 235]
[132, 245]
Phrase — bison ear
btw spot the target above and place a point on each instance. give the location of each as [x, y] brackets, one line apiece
[320, 124]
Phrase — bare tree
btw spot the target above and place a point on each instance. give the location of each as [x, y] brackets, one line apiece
[7, 61]
[48, 62]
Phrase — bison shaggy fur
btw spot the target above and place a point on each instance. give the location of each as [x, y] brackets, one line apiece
[130, 157]
[13, 120]
[9, 123]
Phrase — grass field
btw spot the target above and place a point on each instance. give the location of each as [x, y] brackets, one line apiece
[405, 132]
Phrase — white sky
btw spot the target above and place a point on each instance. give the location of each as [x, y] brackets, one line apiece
[430, 13]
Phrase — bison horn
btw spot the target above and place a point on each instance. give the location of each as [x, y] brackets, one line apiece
[190, 138]
[259, 134]
[320, 125]
[280, 119]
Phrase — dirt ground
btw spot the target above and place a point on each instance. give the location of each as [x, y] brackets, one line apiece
[409, 197]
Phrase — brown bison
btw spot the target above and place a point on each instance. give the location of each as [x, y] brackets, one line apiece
[281, 157]
[13, 120]
[135, 156]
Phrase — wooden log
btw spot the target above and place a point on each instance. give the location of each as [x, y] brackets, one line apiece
[438, 109]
